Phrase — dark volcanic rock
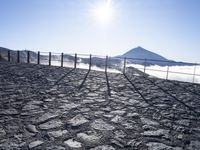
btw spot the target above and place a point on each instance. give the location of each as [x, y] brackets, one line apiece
[40, 111]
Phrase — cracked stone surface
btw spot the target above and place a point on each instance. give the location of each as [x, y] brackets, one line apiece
[40, 111]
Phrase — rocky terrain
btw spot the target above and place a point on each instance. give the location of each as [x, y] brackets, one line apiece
[45, 107]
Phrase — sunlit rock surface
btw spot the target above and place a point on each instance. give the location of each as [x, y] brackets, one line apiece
[39, 111]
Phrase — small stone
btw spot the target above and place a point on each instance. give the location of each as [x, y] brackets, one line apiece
[58, 133]
[78, 120]
[88, 101]
[61, 95]
[51, 125]
[116, 143]
[69, 106]
[89, 137]
[93, 95]
[194, 145]
[132, 115]
[103, 147]
[49, 100]
[134, 102]
[32, 128]
[118, 112]
[148, 127]
[47, 116]
[159, 132]
[10, 111]
[35, 144]
[149, 122]
[100, 100]
[101, 125]
[120, 134]
[134, 143]
[2, 133]
[73, 144]
[158, 146]
[29, 107]
[108, 115]
[117, 119]
[183, 122]
[180, 136]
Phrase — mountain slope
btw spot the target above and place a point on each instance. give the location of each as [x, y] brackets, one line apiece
[141, 53]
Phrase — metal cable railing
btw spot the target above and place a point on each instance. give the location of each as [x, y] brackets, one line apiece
[159, 68]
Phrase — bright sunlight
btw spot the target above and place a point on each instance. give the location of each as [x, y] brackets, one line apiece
[103, 13]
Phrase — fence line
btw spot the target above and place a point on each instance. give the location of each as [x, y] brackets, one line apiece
[118, 63]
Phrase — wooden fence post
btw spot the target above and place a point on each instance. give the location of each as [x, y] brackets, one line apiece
[90, 62]
[38, 59]
[124, 69]
[49, 58]
[106, 64]
[194, 73]
[62, 60]
[75, 60]
[18, 55]
[167, 76]
[28, 57]
[8, 55]
[145, 61]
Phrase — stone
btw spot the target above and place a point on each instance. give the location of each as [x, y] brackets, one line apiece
[35, 144]
[118, 112]
[183, 122]
[29, 107]
[88, 101]
[132, 115]
[158, 146]
[49, 99]
[108, 115]
[180, 136]
[78, 120]
[103, 147]
[47, 116]
[100, 100]
[115, 142]
[51, 125]
[2, 133]
[69, 106]
[90, 137]
[93, 95]
[134, 143]
[73, 144]
[117, 119]
[194, 145]
[133, 101]
[58, 133]
[120, 134]
[10, 111]
[149, 122]
[99, 124]
[159, 132]
[32, 128]
[148, 127]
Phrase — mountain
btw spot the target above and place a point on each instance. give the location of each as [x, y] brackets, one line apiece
[142, 53]
[139, 54]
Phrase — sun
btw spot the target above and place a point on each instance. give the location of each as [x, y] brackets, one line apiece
[103, 13]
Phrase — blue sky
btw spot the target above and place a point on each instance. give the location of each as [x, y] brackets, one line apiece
[167, 27]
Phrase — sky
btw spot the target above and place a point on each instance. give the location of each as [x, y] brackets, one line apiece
[167, 27]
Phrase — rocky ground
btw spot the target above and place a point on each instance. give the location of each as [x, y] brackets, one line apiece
[44, 107]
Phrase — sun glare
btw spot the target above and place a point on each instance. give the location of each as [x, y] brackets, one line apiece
[103, 13]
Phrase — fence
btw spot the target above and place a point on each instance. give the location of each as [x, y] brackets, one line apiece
[163, 69]
[182, 71]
